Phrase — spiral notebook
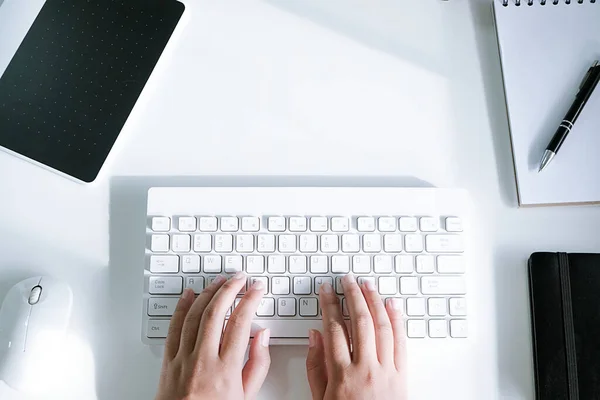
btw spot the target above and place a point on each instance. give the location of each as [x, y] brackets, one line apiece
[546, 48]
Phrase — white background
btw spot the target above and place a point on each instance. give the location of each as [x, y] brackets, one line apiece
[284, 92]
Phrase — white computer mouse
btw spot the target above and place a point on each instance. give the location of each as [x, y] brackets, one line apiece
[34, 318]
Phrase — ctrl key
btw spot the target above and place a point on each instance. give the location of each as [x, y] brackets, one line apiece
[158, 328]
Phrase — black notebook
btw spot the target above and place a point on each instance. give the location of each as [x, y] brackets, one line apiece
[76, 76]
[565, 309]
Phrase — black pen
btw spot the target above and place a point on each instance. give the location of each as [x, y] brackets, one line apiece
[585, 92]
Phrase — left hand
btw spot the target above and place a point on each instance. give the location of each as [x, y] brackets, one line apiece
[199, 364]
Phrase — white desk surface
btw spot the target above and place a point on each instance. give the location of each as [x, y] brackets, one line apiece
[385, 92]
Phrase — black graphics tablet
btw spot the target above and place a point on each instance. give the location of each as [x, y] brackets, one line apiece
[76, 77]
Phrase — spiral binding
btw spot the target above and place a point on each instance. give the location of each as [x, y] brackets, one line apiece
[506, 3]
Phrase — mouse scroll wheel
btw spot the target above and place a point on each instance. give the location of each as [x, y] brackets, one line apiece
[35, 294]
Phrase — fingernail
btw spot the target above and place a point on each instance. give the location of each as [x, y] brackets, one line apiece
[258, 285]
[311, 338]
[187, 294]
[396, 304]
[264, 337]
[239, 275]
[370, 285]
[349, 279]
[219, 279]
[327, 288]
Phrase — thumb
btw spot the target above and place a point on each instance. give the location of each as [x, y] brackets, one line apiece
[315, 365]
[257, 367]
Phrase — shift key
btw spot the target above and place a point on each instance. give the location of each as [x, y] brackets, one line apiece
[443, 285]
[162, 306]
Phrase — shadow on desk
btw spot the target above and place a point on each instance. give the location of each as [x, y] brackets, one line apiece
[127, 369]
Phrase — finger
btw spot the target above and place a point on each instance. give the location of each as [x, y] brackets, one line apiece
[237, 332]
[211, 324]
[256, 369]
[336, 342]
[316, 369]
[384, 336]
[194, 316]
[176, 326]
[363, 331]
[394, 310]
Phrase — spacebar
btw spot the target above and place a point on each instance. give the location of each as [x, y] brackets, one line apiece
[286, 328]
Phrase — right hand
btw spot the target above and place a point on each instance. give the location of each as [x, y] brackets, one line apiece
[376, 366]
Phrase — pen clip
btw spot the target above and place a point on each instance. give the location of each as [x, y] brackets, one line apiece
[595, 65]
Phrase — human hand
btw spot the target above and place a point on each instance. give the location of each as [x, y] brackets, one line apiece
[376, 366]
[197, 364]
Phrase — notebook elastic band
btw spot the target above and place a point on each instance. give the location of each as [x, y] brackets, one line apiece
[567, 310]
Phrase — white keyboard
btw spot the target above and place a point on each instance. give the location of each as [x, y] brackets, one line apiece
[410, 242]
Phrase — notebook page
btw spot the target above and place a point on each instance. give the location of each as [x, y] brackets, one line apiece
[546, 51]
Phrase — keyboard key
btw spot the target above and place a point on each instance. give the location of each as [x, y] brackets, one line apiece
[429, 224]
[318, 265]
[190, 264]
[266, 243]
[212, 264]
[453, 224]
[444, 244]
[159, 243]
[233, 264]
[415, 328]
[157, 328]
[329, 243]
[340, 224]
[302, 285]
[250, 224]
[276, 224]
[366, 224]
[387, 285]
[181, 243]
[345, 311]
[255, 264]
[244, 243]
[266, 308]
[436, 307]
[362, 280]
[298, 224]
[339, 288]
[308, 243]
[286, 307]
[229, 224]
[382, 264]
[438, 328]
[386, 224]
[263, 279]
[443, 285]
[458, 328]
[162, 306]
[287, 243]
[371, 243]
[404, 264]
[276, 264]
[196, 283]
[202, 243]
[425, 264]
[308, 307]
[408, 224]
[280, 285]
[165, 285]
[399, 301]
[415, 306]
[340, 264]
[361, 264]
[223, 243]
[320, 280]
[318, 224]
[164, 264]
[413, 243]
[409, 285]
[187, 224]
[450, 265]
[458, 306]
[161, 224]
[208, 224]
[392, 243]
[297, 265]
[350, 243]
